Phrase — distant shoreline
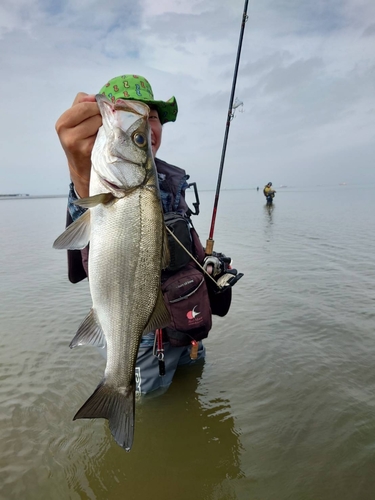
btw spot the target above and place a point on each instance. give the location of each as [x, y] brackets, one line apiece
[29, 196]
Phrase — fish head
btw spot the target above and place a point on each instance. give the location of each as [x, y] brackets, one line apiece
[122, 151]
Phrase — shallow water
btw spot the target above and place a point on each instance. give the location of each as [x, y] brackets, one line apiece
[283, 407]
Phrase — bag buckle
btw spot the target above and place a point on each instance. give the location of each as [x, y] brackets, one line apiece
[158, 351]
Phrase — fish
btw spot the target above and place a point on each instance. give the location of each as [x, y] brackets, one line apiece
[124, 227]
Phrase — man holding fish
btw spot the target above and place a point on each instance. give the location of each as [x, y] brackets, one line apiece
[118, 199]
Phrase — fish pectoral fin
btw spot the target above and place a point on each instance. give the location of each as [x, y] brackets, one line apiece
[89, 333]
[117, 405]
[165, 256]
[160, 317]
[93, 201]
[76, 236]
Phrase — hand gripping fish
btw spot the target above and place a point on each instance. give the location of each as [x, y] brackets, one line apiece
[128, 249]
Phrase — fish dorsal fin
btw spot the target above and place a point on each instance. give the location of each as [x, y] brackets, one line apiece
[93, 201]
[89, 333]
[160, 317]
[165, 254]
[76, 236]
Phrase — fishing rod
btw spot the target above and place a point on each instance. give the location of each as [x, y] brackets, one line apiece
[210, 241]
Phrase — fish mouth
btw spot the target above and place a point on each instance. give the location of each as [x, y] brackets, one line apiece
[137, 107]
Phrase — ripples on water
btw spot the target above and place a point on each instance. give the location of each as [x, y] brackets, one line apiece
[283, 407]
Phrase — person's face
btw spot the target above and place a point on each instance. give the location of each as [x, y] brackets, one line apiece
[156, 131]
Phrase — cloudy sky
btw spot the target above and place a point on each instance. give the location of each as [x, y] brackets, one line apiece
[306, 78]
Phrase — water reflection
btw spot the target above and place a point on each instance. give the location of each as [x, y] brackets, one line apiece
[184, 444]
[268, 212]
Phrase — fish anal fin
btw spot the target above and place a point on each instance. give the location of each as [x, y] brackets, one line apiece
[160, 317]
[89, 333]
[76, 236]
[93, 201]
[117, 407]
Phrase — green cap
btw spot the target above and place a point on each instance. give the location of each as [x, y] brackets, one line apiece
[137, 88]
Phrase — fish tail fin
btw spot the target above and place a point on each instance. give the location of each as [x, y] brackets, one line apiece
[117, 407]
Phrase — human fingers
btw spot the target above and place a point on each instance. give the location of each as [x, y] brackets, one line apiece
[78, 113]
[79, 137]
[83, 97]
[77, 129]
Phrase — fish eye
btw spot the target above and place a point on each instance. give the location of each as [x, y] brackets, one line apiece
[139, 139]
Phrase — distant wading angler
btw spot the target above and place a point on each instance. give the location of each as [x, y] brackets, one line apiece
[269, 193]
[152, 303]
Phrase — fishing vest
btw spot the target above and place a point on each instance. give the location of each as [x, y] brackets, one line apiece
[189, 299]
[172, 184]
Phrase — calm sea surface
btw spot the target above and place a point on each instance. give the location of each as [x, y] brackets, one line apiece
[284, 406]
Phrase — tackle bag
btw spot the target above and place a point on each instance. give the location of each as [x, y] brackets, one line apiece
[186, 298]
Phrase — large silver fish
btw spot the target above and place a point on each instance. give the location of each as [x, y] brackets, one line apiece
[128, 250]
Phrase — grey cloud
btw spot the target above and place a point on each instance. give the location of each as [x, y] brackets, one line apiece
[302, 17]
[184, 28]
[369, 31]
[282, 78]
[266, 63]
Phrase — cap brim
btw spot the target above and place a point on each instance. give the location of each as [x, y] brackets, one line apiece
[167, 110]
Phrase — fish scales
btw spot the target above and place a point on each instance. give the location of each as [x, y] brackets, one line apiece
[124, 225]
[126, 271]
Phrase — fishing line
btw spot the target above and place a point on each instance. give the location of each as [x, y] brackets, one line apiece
[190, 255]
[210, 241]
